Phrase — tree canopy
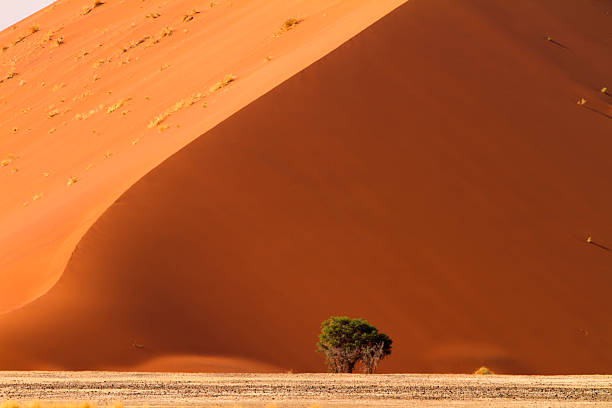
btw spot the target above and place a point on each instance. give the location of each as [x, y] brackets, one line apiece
[346, 342]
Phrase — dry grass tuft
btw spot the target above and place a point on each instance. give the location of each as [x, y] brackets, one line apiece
[135, 43]
[83, 54]
[88, 9]
[290, 23]
[153, 15]
[59, 41]
[223, 83]
[10, 75]
[117, 105]
[190, 15]
[483, 371]
[157, 121]
[34, 29]
[165, 32]
[53, 113]
[72, 180]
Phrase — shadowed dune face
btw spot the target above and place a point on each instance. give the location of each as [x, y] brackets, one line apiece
[100, 96]
[433, 175]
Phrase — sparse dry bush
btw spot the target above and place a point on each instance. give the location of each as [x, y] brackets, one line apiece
[165, 32]
[117, 105]
[135, 43]
[88, 9]
[10, 75]
[223, 83]
[190, 15]
[290, 23]
[483, 371]
[157, 121]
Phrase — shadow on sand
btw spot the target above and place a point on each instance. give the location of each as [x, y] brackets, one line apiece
[600, 246]
[597, 111]
[558, 44]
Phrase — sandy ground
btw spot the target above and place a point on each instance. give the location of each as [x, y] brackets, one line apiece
[304, 389]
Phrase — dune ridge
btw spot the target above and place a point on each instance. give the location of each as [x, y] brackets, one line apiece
[434, 174]
[80, 86]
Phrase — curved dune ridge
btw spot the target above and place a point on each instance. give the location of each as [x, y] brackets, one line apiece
[94, 97]
[435, 175]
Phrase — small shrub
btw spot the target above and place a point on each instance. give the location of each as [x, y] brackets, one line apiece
[116, 105]
[88, 9]
[483, 371]
[223, 83]
[72, 180]
[190, 15]
[165, 32]
[290, 23]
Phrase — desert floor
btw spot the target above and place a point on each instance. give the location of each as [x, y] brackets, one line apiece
[305, 390]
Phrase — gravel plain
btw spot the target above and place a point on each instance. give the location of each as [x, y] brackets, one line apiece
[305, 390]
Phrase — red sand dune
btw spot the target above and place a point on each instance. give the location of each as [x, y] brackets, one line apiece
[434, 175]
[54, 113]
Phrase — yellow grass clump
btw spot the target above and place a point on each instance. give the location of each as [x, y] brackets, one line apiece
[165, 32]
[290, 23]
[10, 75]
[117, 105]
[53, 113]
[135, 43]
[483, 371]
[223, 83]
[72, 180]
[183, 103]
[88, 9]
[190, 15]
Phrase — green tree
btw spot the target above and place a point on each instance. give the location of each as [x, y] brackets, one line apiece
[346, 342]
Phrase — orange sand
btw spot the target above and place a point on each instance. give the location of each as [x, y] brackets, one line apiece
[434, 175]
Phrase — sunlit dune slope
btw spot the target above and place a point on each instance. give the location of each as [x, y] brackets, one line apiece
[92, 98]
[435, 175]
